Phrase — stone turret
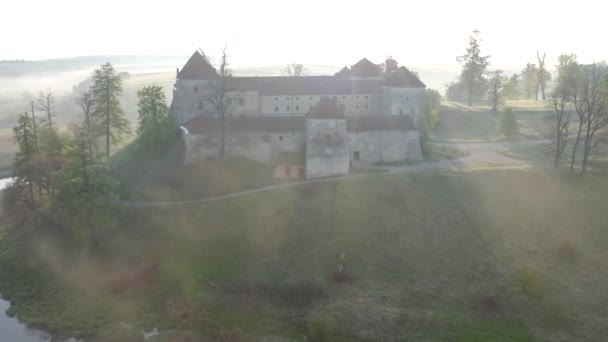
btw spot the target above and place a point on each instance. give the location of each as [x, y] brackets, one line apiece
[327, 152]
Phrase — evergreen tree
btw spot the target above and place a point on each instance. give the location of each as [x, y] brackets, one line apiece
[108, 115]
[85, 186]
[24, 137]
[473, 67]
[155, 123]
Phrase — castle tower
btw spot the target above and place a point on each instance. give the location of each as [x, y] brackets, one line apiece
[327, 152]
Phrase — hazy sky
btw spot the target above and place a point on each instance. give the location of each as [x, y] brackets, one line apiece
[328, 32]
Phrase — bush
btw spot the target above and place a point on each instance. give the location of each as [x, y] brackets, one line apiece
[531, 281]
[320, 328]
[507, 124]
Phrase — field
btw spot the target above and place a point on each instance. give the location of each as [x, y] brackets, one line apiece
[460, 123]
[484, 255]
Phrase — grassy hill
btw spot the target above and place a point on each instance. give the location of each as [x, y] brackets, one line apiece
[480, 255]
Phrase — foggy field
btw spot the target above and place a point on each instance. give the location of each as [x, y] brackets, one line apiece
[429, 256]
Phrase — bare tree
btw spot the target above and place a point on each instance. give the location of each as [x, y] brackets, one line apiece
[496, 89]
[294, 69]
[593, 102]
[542, 76]
[45, 102]
[222, 101]
[561, 123]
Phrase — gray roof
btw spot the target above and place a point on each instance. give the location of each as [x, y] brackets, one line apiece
[305, 85]
[278, 124]
[197, 67]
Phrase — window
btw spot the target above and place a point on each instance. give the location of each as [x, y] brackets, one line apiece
[196, 89]
[280, 138]
[287, 98]
[334, 98]
[342, 107]
[357, 97]
[276, 109]
[366, 107]
[301, 172]
[343, 97]
[356, 155]
[407, 98]
[357, 106]
[200, 104]
[288, 108]
[311, 97]
[287, 173]
[276, 99]
[328, 137]
[297, 98]
[400, 111]
[366, 97]
[297, 108]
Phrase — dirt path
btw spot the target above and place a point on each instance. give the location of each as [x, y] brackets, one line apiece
[478, 153]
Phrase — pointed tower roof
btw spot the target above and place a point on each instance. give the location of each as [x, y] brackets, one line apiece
[326, 108]
[405, 79]
[344, 72]
[197, 67]
[365, 68]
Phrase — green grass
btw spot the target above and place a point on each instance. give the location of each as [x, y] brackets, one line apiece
[464, 126]
[425, 251]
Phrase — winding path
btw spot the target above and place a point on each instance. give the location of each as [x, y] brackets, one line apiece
[477, 153]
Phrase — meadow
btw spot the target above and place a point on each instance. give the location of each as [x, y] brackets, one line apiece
[469, 255]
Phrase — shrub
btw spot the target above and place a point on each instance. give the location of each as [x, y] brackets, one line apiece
[531, 281]
[507, 124]
[320, 328]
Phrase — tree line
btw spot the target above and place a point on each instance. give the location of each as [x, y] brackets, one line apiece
[580, 112]
[477, 83]
[63, 182]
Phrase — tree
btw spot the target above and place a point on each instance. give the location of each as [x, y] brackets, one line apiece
[45, 102]
[496, 89]
[155, 123]
[390, 66]
[561, 124]
[23, 135]
[542, 75]
[222, 101]
[561, 98]
[293, 69]
[512, 87]
[85, 101]
[528, 80]
[592, 101]
[85, 187]
[507, 124]
[473, 67]
[429, 115]
[108, 115]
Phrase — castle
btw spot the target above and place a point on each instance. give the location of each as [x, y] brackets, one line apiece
[306, 126]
